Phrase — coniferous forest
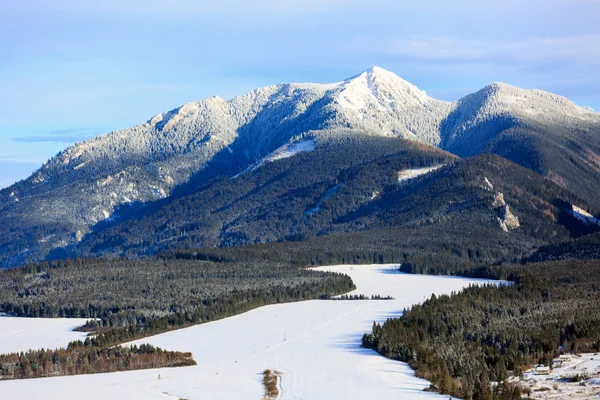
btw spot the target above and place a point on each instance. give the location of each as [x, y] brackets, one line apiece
[236, 244]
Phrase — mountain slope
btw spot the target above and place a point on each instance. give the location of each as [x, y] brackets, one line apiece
[288, 198]
[538, 130]
[487, 204]
[129, 173]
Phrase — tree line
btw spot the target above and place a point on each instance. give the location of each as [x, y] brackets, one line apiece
[81, 358]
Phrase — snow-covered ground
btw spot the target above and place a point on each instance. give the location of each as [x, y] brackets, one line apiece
[22, 334]
[407, 174]
[316, 344]
[291, 149]
[285, 151]
[584, 216]
[556, 384]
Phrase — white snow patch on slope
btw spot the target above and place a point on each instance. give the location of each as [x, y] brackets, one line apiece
[407, 174]
[584, 216]
[316, 344]
[488, 184]
[80, 166]
[285, 151]
[290, 150]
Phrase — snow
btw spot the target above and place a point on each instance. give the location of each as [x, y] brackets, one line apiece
[407, 174]
[316, 344]
[290, 150]
[488, 184]
[80, 166]
[587, 365]
[376, 101]
[285, 151]
[21, 334]
[158, 192]
[372, 87]
[46, 238]
[584, 216]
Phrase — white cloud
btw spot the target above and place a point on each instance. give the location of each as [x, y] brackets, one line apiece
[582, 49]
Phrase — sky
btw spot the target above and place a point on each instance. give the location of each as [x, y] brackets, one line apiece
[72, 69]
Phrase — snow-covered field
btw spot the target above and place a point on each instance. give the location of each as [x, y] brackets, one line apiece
[316, 344]
[21, 334]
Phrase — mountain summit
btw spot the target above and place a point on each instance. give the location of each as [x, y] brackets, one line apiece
[86, 183]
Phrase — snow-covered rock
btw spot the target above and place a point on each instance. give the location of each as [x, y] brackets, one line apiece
[505, 218]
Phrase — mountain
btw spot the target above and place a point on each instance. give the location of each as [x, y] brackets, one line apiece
[538, 130]
[136, 174]
[486, 204]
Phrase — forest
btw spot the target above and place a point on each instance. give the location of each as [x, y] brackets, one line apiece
[460, 342]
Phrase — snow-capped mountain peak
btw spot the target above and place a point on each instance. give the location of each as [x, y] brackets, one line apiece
[381, 88]
[377, 100]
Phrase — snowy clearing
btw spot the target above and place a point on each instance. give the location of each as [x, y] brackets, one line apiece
[583, 369]
[290, 150]
[315, 344]
[407, 174]
[584, 216]
[285, 151]
[21, 334]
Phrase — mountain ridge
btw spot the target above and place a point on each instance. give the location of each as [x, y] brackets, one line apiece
[184, 147]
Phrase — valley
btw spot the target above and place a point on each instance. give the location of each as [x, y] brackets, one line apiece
[300, 200]
[193, 235]
[316, 344]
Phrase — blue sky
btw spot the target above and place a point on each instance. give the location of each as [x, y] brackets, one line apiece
[73, 69]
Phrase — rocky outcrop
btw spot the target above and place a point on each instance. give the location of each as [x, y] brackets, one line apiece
[505, 218]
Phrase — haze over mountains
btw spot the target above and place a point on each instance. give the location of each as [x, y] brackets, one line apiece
[263, 167]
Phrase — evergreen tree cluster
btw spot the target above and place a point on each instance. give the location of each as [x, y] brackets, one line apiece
[81, 358]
